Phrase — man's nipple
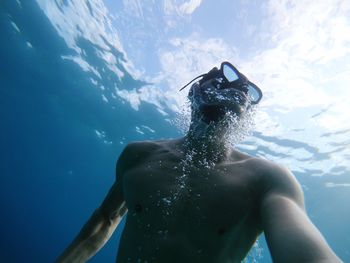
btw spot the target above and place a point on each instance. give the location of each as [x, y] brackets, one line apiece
[221, 231]
[138, 208]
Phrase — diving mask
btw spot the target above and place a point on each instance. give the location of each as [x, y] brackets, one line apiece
[228, 77]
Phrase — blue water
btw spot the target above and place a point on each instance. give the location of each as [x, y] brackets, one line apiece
[59, 142]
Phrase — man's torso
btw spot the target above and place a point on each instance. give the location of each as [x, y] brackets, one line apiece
[186, 211]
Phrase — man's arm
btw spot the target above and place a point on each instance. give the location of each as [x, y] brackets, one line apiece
[104, 220]
[98, 229]
[290, 234]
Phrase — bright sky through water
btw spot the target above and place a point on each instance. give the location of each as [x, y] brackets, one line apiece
[298, 52]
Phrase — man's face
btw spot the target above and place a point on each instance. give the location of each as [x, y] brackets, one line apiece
[212, 103]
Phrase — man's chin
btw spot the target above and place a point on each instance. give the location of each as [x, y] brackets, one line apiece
[214, 113]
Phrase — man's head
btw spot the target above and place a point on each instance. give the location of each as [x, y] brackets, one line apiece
[220, 92]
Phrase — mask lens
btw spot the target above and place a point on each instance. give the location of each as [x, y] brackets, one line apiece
[229, 73]
[253, 93]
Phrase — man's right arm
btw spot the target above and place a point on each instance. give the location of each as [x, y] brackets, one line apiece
[98, 229]
[103, 221]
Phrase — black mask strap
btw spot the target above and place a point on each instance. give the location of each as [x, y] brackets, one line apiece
[210, 75]
[192, 81]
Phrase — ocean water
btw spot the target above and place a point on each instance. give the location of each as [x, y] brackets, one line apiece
[71, 99]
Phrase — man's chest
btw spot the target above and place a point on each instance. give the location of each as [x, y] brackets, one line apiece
[196, 195]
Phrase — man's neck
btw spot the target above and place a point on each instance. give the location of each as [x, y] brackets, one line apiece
[207, 142]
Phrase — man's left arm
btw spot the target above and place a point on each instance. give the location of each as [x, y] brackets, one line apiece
[290, 234]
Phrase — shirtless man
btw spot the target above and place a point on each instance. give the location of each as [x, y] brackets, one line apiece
[196, 199]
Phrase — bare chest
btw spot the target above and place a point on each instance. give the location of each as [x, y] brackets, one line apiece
[200, 197]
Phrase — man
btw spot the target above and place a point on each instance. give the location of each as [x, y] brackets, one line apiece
[196, 199]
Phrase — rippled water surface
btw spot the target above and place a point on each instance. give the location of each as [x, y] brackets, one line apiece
[81, 79]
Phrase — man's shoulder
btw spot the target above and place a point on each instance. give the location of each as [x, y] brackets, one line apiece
[270, 176]
[258, 164]
[133, 154]
[265, 167]
[137, 152]
[277, 179]
[149, 146]
[141, 145]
